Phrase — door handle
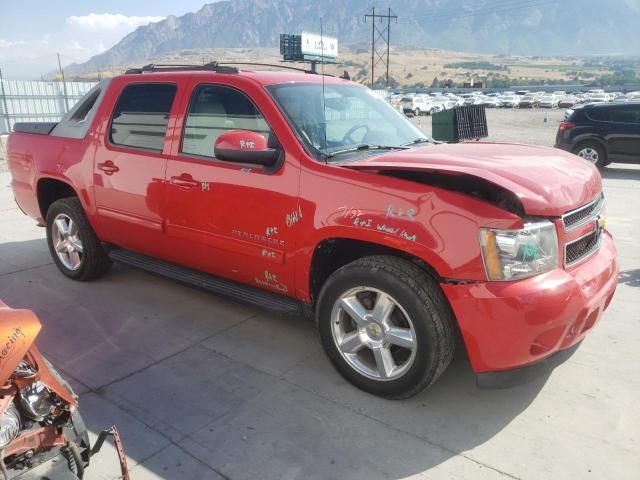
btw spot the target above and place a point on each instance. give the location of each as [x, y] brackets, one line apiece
[184, 182]
[108, 167]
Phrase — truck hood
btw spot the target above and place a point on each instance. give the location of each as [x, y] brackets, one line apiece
[548, 181]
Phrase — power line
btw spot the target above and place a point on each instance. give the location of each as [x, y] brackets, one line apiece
[378, 35]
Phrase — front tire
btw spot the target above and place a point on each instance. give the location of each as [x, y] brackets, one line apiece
[593, 153]
[416, 112]
[386, 326]
[73, 245]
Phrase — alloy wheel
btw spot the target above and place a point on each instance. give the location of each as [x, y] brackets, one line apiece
[66, 241]
[373, 333]
[590, 154]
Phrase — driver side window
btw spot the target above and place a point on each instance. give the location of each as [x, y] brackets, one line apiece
[348, 120]
[214, 110]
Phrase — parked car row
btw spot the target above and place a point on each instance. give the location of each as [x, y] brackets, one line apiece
[424, 104]
[417, 104]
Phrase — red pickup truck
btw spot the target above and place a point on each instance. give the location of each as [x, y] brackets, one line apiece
[285, 189]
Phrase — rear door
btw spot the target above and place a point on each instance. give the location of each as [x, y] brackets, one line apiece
[230, 219]
[130, 163]
[624, 134]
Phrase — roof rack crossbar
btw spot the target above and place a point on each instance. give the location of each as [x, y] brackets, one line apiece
[159, 67]
[285, 67]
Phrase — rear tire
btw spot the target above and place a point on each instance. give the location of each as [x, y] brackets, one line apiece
[73, 245]
[592, 152]
[416, 112]
[418, 329]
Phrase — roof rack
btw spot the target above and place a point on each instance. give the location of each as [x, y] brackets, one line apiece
[220, 67]
[285, 67]
[159, 67]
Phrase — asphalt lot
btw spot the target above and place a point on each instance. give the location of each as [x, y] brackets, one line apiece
[203, 388]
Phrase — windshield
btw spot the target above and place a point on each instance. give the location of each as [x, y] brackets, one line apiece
[350, 117]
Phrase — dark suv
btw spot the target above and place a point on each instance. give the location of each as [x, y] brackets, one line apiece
[603, 133]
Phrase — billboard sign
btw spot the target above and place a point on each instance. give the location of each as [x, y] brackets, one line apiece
[313, 45]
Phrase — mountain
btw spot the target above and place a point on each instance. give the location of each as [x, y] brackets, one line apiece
[523, 27]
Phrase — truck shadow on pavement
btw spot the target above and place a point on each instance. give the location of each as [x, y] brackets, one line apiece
[620, 173]
[630, 277]
[198, 384]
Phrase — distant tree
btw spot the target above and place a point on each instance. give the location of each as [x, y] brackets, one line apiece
[435, 82]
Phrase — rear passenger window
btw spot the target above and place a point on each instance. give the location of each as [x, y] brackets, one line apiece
[599, 114]
[141, 116]
[214, 110]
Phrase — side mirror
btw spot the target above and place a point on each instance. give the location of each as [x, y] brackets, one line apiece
[245, 146]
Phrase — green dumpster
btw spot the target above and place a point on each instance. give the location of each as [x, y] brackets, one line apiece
[460, 123]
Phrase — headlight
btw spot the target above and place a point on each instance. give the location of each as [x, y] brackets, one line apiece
[35, 401]
[516, 254]
[9, 426]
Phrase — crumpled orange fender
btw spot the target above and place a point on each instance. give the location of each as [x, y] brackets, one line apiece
[18, 332]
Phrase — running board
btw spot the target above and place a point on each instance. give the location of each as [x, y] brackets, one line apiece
[227, 288]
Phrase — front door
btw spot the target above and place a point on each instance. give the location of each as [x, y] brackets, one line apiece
[130, 164]
[230, 219]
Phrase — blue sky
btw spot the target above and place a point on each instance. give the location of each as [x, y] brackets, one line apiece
[32, 31]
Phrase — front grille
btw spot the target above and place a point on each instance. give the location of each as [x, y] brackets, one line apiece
[582, 215]
[582, 248]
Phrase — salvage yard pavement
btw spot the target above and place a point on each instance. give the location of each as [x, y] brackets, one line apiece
[515, 125]
[203, 388]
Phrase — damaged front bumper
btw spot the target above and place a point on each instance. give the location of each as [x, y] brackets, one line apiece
[514, 331]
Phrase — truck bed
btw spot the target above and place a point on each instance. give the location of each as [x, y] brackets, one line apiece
[40, 128]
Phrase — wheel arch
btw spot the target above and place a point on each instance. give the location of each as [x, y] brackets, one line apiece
[331, 253]
[579, 141]
[49, 190]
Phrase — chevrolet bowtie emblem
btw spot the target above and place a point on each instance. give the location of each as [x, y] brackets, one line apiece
[601, 221]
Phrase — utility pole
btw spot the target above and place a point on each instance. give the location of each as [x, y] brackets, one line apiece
[375, 30]
[388, 39]
[64, 86]
[373, 41]
[4, 103]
